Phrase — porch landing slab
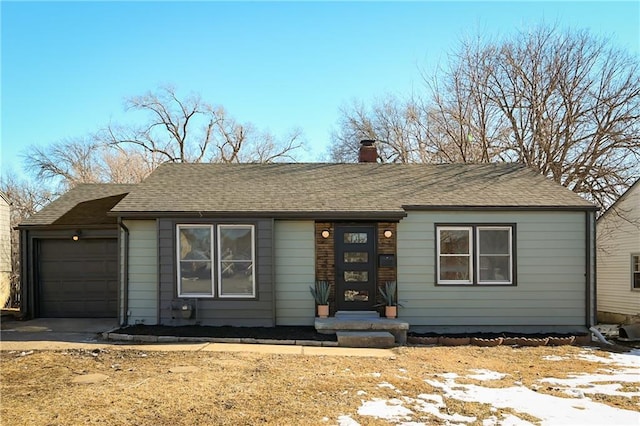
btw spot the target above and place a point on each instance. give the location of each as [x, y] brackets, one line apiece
[363, 321]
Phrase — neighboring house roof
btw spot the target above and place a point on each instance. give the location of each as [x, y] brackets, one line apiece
[4, 198]
[341, 190]
[629, 190]
[85, 204]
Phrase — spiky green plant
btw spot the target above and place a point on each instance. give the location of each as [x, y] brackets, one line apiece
[389, 294]
[320, 292]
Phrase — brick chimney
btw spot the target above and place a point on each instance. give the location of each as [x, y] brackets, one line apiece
[368, 151]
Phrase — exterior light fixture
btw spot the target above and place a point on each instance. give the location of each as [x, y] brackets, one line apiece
[76, 235]
[388, 234]
[325, 233]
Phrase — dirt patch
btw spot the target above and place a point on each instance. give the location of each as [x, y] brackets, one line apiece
[249, 389]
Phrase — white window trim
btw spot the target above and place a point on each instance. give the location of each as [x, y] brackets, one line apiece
[469, 229]
[253, 262]
[477, 238]
[178, 260]
[633, 272]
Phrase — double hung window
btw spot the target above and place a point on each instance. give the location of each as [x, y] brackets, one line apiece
[215, 261]
[475, 254]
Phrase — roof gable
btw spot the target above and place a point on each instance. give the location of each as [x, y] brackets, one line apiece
[85, 204]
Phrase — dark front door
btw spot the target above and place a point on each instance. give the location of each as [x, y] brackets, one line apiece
[355, 267]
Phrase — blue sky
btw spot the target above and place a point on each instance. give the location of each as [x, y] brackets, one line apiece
[66, 67]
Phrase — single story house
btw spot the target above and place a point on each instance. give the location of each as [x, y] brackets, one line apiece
[618, 261]
[471, 247]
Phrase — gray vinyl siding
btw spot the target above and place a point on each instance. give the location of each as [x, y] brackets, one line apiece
[143, 272]
[294, 272]
[618, 238]
[550, 273]
[255, 312]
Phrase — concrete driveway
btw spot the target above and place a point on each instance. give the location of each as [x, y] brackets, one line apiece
[74, 330]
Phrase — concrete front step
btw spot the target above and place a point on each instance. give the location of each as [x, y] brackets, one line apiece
[365, 339]
[363, 321]
[356, 314]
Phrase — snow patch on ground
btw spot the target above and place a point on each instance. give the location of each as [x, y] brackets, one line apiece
[483, 375]
[347, 421]
[389, 409]
[386, 385]
[577, 408]
[550, 409]
[507, 420]
[553, 358]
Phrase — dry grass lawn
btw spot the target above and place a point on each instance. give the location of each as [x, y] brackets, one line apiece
[251, 389]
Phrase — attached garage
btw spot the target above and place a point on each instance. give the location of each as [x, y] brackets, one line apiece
[78, 278]
[69, 255]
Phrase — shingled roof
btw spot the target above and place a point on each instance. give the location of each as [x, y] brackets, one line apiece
[85, 204]
[358, 190]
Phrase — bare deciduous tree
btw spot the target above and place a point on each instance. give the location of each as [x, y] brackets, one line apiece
[189, 130]
[564, 103]
[67, 163]
[25, 199]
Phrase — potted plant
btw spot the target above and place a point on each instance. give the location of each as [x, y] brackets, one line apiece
[391, 303]
[320, 293]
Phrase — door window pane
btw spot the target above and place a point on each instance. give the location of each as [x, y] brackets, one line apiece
[356, 257]
[356, 276]
[356, 296]
[355, 237]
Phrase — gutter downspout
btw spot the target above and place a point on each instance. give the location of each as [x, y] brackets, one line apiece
[125, 274]
[587, 274]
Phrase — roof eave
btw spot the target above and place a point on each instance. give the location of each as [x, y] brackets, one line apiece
[499, 208]
[313, 215]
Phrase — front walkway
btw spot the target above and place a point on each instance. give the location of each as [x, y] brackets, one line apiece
[44, 334]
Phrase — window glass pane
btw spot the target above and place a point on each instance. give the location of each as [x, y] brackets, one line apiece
[636, 263]
[356, 257]
[495, 268]
[455, 268]
[195, 265]
[195, 243]
[235, 242]
[355, 237]
[454, 241]
[237, 278]
[236, 263]
[195, 277]
[494, 241]
[356, 276]
[356, 296]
